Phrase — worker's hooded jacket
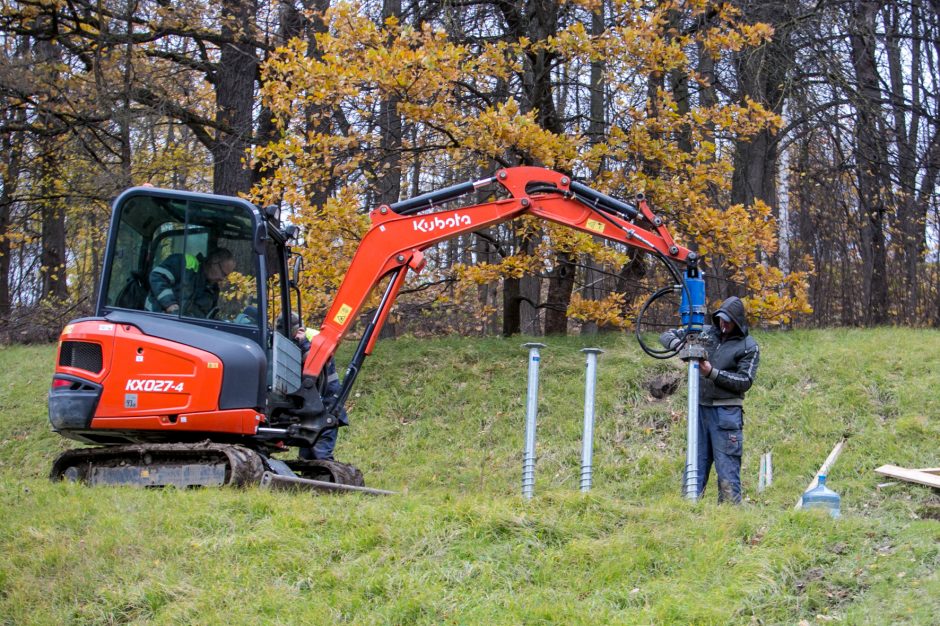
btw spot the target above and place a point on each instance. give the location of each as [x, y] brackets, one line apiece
[734, 358]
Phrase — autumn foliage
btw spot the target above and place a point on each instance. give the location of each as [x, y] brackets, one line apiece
[459, 103]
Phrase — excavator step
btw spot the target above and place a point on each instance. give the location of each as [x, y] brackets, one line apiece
[274, 481]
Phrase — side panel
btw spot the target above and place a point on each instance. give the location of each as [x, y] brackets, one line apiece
[154, 376]
[286, 365]
[244, 384]
[239, 422]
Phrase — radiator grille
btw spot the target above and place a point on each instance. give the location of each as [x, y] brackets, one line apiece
[82, 355]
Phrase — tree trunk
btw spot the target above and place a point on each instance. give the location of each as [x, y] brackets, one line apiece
[761, 75]
[12, 149]
[911, 219]
[52, 257]
[512, 323]
[53, 271]
[234, 97]
[871, 154]
[388, 181]
[597, 131]
[560, 286]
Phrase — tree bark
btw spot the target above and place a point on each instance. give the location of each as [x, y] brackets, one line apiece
[234, 96]
[871, 155]
[512, 323]
[388, 181]
[560, 286]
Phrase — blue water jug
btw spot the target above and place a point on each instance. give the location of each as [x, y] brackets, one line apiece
[821, 497]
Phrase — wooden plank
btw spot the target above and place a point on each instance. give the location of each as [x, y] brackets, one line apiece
[929, 470]
[909, 475]
[823, 469]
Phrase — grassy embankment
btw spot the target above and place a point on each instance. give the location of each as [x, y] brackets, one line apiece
[441, 421]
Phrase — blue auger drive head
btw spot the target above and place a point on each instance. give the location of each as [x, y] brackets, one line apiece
[693, 314]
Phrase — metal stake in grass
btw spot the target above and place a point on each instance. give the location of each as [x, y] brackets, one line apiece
[587, 440]
[693, 353]
[532, 402]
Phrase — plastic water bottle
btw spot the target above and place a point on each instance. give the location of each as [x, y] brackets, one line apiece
[821, 497]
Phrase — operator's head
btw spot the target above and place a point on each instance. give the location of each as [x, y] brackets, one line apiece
[725, 322]
[219, 264]
[731, 316]
[294, 323]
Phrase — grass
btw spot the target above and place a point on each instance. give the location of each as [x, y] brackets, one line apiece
[441, 421]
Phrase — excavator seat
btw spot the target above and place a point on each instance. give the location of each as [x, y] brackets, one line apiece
[133, 294]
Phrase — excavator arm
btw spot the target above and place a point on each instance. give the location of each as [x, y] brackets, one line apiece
[402, 231]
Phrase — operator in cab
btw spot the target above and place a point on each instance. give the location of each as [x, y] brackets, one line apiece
[727, 372]
[186, 284]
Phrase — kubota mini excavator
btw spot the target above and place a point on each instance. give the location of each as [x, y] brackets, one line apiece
[179, 397]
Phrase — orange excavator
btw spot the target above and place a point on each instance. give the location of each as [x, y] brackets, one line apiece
[176, 381]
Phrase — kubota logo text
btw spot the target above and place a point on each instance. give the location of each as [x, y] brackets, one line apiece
[426, 225]
[137, 384]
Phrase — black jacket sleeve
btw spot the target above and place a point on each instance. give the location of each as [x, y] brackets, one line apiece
[672, 338]
[742, 376]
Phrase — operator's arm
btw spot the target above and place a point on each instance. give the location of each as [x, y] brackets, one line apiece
[162, 281]
[672, 338]
[742, 376]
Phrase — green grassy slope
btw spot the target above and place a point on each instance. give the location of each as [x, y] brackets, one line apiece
[441, 421]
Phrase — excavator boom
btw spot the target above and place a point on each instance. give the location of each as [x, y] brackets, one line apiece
[401, 232]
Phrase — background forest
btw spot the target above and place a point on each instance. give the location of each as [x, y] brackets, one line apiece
[794, 144]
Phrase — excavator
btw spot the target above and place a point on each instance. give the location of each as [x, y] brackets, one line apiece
[188, 397]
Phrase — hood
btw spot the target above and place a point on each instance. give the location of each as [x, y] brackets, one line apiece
[735, 310]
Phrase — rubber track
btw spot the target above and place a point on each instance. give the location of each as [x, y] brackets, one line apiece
[244, 466]
[331, 471]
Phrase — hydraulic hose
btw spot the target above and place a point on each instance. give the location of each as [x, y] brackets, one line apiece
[592, 200]
[656, 354]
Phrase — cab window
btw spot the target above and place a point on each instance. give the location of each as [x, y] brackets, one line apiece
[184, 258]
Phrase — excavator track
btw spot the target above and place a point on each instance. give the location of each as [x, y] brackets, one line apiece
[203, 464]
[182, 465]
[328, 471]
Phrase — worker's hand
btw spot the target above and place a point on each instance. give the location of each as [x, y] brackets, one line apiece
[705, 368]
[173, 308]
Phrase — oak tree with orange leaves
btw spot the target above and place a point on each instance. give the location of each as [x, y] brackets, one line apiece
[497, 84]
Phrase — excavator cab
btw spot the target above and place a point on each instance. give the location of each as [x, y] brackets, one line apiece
[185, 342]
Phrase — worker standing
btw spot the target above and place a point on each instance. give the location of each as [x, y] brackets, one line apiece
[727, 372]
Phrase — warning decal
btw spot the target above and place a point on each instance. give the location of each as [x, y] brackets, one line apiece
[344, 311]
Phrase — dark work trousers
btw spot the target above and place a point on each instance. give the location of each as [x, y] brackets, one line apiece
[322, 450]
[721, 440]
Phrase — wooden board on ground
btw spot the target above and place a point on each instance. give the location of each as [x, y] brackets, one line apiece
[910, 475]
